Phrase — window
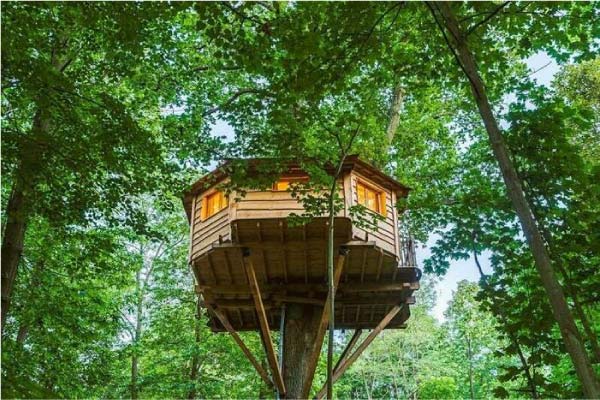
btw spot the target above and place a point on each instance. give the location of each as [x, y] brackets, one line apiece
[371, 198]
[284, 184]
[281, 186]
[212, 204]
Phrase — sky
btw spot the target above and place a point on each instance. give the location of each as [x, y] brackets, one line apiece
[543, 69]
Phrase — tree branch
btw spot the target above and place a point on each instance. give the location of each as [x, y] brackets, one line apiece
[486, 19]
[233, 98]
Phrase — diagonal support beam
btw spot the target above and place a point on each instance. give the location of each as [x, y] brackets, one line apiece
[345, 364]
[322, 328]
[348, 348]
[263, 322]
[225, 322]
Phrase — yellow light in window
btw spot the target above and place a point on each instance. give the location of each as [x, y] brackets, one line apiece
[282, 185]
[213, 203]
[371, 198]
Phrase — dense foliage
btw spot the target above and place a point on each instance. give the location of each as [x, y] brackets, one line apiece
[109, 110]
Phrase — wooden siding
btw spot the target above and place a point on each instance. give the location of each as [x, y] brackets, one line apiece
[211, 230]
[259, 205]
[386, 235]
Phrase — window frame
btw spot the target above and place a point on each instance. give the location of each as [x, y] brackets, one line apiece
[205, 212]
[380, 197]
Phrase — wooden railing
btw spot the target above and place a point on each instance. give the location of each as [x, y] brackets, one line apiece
[408, 256]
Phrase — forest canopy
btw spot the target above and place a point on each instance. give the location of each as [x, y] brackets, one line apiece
[111, 110]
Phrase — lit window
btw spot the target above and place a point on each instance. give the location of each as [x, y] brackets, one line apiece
[284, 184]
[371, 198]
[281, 186]
[213, 203]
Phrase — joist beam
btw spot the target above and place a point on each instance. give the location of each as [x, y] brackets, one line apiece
[324, 322]
[307, 244]
[225, 322]
[349, 287]
[263, 322]
[345, 364]
[277, 300]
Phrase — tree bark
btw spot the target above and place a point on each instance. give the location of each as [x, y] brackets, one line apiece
[299, 336]
[470, 356]
[395, 108]
[137, 335]
[560, 309]
[12, 243]
[196, 357]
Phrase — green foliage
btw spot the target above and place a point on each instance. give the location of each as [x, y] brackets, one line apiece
[107, 111]
[438, 388]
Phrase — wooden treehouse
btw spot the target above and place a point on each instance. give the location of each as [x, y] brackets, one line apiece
[256, 272]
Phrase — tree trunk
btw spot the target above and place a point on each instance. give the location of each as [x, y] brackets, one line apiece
[137, 336]
[301, 322]
[196, 358]
[17, 210]
[12, 243]
[562, 314]
[395, 108]
[470, 356]
[330, 280]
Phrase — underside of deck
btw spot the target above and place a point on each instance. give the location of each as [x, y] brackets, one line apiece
[290, 267]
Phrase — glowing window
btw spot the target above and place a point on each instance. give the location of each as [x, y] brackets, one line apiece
[213, 203]
[281, 186]
[284, 184]
[371, 198]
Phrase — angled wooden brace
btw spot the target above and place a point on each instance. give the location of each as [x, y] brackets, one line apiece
[348, 348]
[345, 364]
[322, 328]
[225, 322]
[263, 322]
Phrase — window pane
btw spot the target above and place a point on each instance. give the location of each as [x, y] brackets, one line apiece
[282, 185]
[361, 194]
[371, 199]
[367, 197]
[215, 203]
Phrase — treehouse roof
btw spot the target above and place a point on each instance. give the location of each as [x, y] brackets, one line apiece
[352, 163]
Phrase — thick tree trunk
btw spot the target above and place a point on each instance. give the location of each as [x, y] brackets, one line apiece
[17, 210]
[301, 322]
[562, 314]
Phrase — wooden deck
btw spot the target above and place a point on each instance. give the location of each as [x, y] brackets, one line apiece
[290, 267]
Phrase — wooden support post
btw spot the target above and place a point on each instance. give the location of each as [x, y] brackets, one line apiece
[225, 322]
[322, 327]
[348, 348]
[350, 360]
[263, 322]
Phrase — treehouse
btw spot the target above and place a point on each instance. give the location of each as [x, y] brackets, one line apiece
[256, 271]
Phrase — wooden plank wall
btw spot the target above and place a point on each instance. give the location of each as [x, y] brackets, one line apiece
[386, 235]
[207, 232]
[268, 204]
[272, 204]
